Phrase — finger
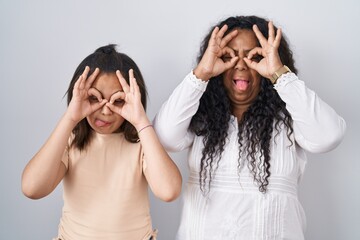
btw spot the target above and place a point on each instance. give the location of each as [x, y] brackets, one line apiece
[259, 35]
[251, 64]
[231, 63]
[227, 50]
[271, 31]
[82, 78]
[278, 38]
[114, 108]
[221, 32]
[92, 78]
[131, 80]
[78, 83]
[98, 105]
[214, 34]
[228, 38]
[255, 51]
[96, 93]
[136, 88]
[85, 72]
[123, 82]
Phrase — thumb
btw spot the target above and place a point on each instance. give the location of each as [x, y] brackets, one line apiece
[98, 105]
[231, 63]
[114, 108]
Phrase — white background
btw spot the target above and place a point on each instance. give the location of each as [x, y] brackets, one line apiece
[42, 42]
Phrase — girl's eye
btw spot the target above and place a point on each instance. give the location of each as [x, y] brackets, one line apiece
[118, 101]
[226, 58]
[93, 99]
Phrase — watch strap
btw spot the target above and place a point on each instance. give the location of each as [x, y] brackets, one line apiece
[284, 69]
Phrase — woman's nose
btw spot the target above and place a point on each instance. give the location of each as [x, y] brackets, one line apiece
[241, 64]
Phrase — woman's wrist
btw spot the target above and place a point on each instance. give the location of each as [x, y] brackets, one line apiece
[200, 74]
[280, 71]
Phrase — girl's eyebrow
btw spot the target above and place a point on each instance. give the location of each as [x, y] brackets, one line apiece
[98, 91]
[116, 92]
[102, 96]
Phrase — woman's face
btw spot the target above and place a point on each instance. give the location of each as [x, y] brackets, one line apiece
[241, 82]
[104, 120]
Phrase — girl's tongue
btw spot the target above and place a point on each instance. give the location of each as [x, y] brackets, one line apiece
[100, 123]
[241, 84]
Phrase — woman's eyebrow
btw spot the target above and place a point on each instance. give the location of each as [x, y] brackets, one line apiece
[245, 51]
[235, 51]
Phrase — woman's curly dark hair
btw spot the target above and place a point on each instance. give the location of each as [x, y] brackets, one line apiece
[266, 114]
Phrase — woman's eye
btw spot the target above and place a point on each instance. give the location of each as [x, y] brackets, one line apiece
[93, 99]
[257, 58]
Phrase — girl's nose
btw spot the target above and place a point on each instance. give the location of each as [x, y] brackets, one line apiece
[106, 110]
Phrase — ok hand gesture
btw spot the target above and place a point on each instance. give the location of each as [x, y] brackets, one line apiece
[132, 109]
[269, 51]
[211, 64]
[80, 106]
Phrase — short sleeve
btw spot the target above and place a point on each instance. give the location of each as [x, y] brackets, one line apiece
[143, 159]
[65, 158]
[66, 155]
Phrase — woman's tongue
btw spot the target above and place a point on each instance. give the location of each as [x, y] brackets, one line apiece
[241, 84]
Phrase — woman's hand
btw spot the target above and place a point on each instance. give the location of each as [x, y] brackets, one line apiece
[132, 109]
[211, 64]
[80, 105]
[269, 51]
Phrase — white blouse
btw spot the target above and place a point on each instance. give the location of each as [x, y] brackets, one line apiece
[234, 207]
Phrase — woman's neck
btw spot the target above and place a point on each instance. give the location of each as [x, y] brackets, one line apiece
[239, 110]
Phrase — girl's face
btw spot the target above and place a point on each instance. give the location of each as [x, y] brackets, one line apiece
[103, 120]
[241, 82]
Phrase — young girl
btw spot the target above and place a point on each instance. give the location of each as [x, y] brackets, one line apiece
[106, 152]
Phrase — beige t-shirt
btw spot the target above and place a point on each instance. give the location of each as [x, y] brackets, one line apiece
[105, 191]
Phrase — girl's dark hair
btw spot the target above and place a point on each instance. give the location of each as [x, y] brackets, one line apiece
[266, 113]
[108, 60]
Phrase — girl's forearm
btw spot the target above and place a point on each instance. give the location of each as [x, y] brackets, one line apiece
[45, 170]
[162, 174]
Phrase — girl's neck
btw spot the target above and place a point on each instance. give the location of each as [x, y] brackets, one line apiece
[105, 134]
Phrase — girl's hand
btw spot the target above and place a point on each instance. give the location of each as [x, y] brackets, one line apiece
[80, 105]
[269, 51]
[211, 64]
[132, 109]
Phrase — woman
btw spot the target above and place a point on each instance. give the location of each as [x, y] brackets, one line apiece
[247, 121]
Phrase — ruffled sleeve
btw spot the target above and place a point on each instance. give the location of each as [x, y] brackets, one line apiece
[317, 127]
[173, 120]
[66, 156]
